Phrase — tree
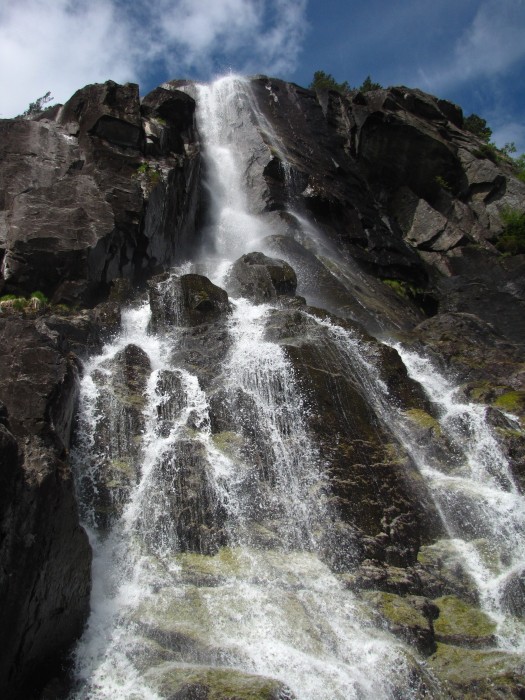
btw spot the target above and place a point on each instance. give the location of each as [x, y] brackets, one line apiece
[325, 81]
[37, 107]
[478, 126]
[368, 85]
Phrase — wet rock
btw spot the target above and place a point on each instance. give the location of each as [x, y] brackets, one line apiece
[115, 449]
[461, 624]
[442, 572]
[409, 618]
[514, 594]
[189, 300]
[215, 683]
[259, 278]
[364, 458]
[344, 290]
[374, 575]
[186, 511]
[472, 674]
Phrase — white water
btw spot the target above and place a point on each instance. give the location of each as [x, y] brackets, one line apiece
[273, 609]
[481, 505]
[262, 602]
[474, 491]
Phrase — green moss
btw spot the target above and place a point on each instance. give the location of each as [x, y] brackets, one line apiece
[475, 674]
[228, 442]
[461, 623]
[424, 420]
[122, 465]
[40, 296]
[511, 401]
[221, 683]
[395, 609]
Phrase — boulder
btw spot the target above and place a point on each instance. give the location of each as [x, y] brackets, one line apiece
[261, 279]
[461, 624]
[409, 618]
[188, 300]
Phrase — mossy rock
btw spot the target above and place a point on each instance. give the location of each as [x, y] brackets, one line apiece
[409, 618]
[478, 674]
[443, 572]
[462, 624]
[183, 683]
[229, 443]
[511, 401]
[424, 420]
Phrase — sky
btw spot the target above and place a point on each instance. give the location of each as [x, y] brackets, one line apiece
[469, 51]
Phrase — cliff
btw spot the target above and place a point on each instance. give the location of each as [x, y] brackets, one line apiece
[396, 217]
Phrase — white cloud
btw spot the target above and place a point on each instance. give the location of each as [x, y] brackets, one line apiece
[489, 46]
[60, 45]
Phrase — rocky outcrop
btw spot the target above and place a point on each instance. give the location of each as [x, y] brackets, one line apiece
[261, 279]
[87, 198]
[395, 182]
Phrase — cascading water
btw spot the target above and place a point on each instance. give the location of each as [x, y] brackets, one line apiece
[207, 567]
[478, 498]
[473, 487]
[206, 501]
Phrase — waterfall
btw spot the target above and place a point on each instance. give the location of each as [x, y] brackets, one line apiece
[206, 496]
[205, 537]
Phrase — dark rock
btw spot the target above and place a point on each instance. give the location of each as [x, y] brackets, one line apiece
[114, 448]
[74, 215]
[45, 574]
[109, 111]
[189, 300]
[514, 594]
[259, 278]
[170, 126]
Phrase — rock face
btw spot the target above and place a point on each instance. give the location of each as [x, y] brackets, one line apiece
[384, 212]
[46, 558]
[99, 192]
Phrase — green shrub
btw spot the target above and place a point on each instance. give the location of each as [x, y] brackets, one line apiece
[487, 150]
[8, 297]
[478, 126]
[367, 85]
[148, 174]
[326, 81]
[40, 296]
[519, 166]
[512, 238]
[20, 303]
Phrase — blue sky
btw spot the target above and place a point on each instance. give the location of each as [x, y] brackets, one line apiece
[469, 51]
